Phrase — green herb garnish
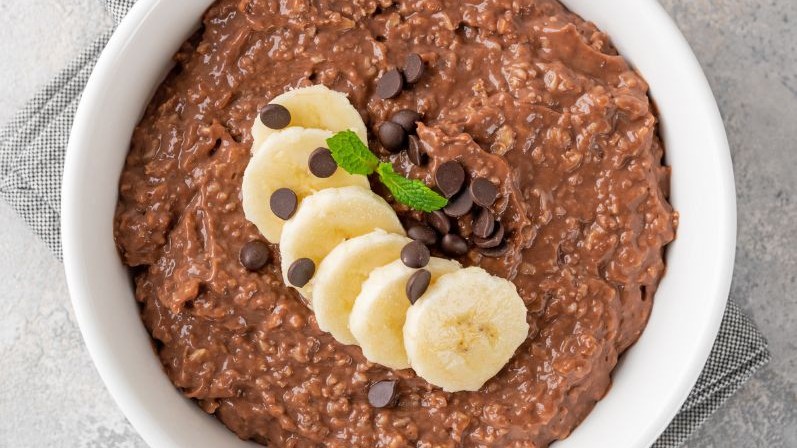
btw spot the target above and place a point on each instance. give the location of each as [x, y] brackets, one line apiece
[410, 191]
[351, 154]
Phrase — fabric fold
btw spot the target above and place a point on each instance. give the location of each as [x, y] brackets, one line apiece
[33, 145]
[738, 352]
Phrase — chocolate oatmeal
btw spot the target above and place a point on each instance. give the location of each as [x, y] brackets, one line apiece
[524, 94]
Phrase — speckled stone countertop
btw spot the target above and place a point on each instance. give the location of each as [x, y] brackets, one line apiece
[52, 396]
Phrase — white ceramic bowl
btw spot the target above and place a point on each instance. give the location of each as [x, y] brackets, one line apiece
[653, 378]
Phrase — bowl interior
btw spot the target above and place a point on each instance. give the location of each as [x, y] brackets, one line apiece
[654, 376]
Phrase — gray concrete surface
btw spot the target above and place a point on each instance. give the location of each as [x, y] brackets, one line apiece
[52, 396]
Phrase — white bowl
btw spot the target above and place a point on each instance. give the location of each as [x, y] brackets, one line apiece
[653, 378]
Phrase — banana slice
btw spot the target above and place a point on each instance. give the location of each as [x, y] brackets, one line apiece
[330, 217]
[314, 107]
[341, 275]
[377, 318]
[282, 163]
[464, 329]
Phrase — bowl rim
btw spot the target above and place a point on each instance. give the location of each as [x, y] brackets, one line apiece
[76, 258]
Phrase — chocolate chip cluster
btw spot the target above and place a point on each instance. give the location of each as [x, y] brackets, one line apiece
[416, 255]
[439, 229]
[398, 132]
[393, 81]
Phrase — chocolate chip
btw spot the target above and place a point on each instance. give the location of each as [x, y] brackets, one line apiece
[459, 205]
[439, 221]
[407, 119]
[254, 255]
[392, 136]
[422, 233]
[484, 223]
[390, 84]
[493, 240]
[449, 178]
[483, 191]
[495, 252]
[301, 271]
[321, 163]
[415, 255]
[415, 152]
[275, 116]
[382, 394]
[417, 284]
[454, 245]
[283, 203]
[414, 68]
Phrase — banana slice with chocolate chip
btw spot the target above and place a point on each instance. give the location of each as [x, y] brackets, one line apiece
[308, 107]
[464, 329]
[281, 174]
[328, 218]
[377, 318]
[341, 276]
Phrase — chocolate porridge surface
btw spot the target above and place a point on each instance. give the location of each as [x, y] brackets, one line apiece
[523, 93]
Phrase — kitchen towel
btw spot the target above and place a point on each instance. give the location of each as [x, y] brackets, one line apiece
[32, 148]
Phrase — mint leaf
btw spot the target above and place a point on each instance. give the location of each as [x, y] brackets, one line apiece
[413, 193]
[351, 154]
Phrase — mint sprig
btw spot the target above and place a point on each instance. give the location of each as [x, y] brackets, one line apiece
[411, 192]
[351, 154]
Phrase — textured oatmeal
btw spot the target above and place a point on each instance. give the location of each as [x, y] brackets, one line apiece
[522, 92]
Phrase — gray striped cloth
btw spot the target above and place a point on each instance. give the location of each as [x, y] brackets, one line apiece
[32, 148]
